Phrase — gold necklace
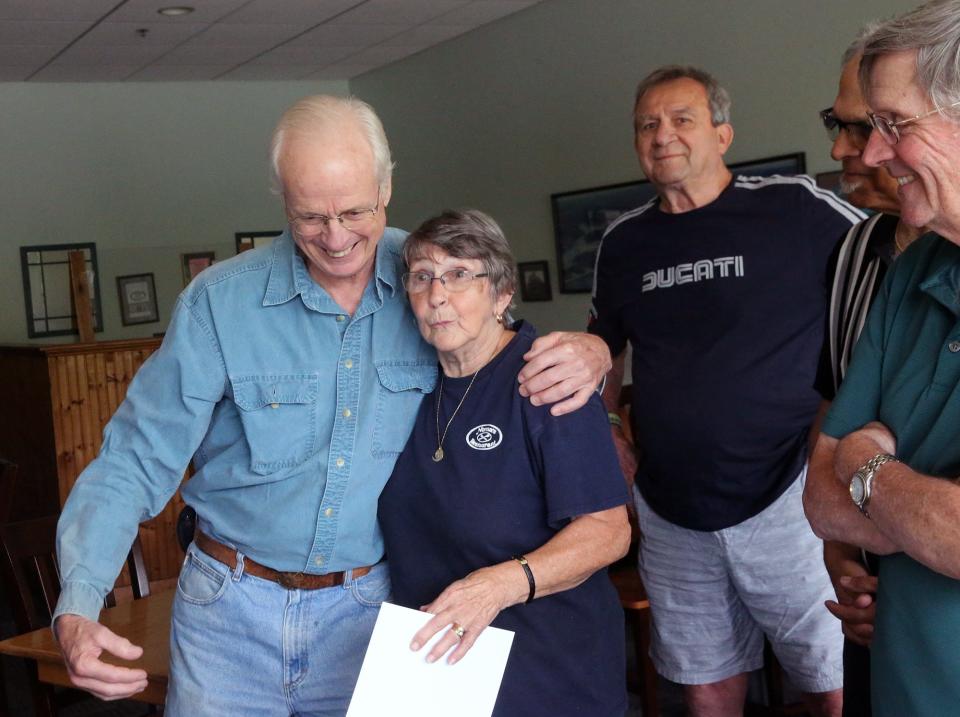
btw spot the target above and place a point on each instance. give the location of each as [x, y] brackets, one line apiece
[438, 454]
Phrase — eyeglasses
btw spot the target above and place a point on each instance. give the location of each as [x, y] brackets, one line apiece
[890, 130]
[351, 220]
[834, 125]
[455, 280]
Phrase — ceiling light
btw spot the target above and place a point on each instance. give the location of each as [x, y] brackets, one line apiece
[175, 11]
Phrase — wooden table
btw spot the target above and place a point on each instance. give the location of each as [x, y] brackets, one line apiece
[144, 622]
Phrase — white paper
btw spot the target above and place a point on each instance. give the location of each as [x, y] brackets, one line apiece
[398, 682]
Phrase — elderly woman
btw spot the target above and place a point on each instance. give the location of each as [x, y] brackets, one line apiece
[498, 512]
[884, 473]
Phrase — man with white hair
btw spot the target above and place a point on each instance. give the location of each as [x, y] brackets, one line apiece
[291, 375]
[884, 473]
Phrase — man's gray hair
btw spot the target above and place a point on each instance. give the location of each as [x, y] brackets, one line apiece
[933, 30]
[321, 111]
[717, 97]
[467, 234]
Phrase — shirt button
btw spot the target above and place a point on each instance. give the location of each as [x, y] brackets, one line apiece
[328, 512]
[274, 405]
[340, 462]
[346, 413]
[348, 363]
[341, 317]
[318, 560]
[954, 346]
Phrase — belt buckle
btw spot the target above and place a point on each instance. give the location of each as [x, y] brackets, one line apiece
[291, 581]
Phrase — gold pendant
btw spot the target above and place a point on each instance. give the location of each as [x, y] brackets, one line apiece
[438, 455]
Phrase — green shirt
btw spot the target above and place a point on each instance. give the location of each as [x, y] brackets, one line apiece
[905, 373]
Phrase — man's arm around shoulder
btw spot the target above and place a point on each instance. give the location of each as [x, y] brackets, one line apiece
[564, 365]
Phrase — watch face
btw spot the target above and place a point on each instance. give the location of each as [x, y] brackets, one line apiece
[857, 488]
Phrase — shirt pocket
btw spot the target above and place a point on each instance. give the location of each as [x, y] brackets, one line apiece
[279, 417]
[400, 390]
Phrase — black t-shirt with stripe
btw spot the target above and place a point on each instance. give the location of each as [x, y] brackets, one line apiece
[723, 307]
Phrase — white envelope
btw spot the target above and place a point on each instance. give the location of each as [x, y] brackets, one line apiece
[398, 682]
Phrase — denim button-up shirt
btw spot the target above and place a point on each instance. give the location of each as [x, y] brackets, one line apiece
[292, 410]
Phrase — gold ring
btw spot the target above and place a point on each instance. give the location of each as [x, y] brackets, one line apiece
[457, 630]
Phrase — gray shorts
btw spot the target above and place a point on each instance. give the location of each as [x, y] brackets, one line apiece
[714, 595]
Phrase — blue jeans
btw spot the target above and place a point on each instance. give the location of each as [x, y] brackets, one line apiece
[240, 645]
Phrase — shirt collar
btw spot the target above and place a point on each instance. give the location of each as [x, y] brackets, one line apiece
[289, 276]
[942, 280]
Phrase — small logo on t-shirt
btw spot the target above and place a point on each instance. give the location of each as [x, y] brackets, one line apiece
[484, 437]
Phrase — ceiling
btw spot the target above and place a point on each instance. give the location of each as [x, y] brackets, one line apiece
[129, 41]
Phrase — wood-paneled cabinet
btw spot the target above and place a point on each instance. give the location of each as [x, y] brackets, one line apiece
[56, 400]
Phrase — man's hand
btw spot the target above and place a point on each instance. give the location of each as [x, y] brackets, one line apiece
[82, 641]
[564, 365]
[857, 608]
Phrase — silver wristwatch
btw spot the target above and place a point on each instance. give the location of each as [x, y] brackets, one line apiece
[861, 484]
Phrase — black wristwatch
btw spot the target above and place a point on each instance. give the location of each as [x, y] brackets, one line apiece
[861, 484]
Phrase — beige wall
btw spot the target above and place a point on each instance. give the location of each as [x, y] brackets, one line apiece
[540, 103]
[498, 119]
[147, 171]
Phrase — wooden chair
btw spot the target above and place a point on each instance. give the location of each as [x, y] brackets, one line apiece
[28, 565]
[8, 478]
[633, 598]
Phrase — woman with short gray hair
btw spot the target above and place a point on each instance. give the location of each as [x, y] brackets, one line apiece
[498, 512]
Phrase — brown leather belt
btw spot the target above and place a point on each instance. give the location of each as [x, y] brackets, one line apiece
[291, 581]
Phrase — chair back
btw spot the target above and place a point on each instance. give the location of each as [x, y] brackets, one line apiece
[31, 575]
[29, 567]
[8, 479]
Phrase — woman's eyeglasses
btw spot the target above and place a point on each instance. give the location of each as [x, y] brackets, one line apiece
[454, 280]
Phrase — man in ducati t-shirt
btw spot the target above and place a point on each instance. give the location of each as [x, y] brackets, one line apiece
[718, 286]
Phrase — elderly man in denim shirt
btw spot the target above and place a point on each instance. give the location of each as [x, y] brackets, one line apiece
[291, 375]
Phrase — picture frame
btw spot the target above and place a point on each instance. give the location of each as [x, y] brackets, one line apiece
[138, 299]
[534, 280]
[254, 240]
[192, 264]
[581, 217]
[47, 295]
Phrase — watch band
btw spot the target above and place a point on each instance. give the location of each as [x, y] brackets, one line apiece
[865, 474]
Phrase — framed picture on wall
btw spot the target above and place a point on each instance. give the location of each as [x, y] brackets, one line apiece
[138, 299]
[581, 217]
[534, 278]
[193, 264]
[47, 291]
[255, 240]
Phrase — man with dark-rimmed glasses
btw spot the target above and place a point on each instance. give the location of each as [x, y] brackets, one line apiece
[884, 472]
[857, 267]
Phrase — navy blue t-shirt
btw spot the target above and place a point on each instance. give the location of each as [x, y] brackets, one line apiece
[723, 307]
[512, 477]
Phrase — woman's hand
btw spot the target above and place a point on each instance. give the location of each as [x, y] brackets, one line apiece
[471, 603]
